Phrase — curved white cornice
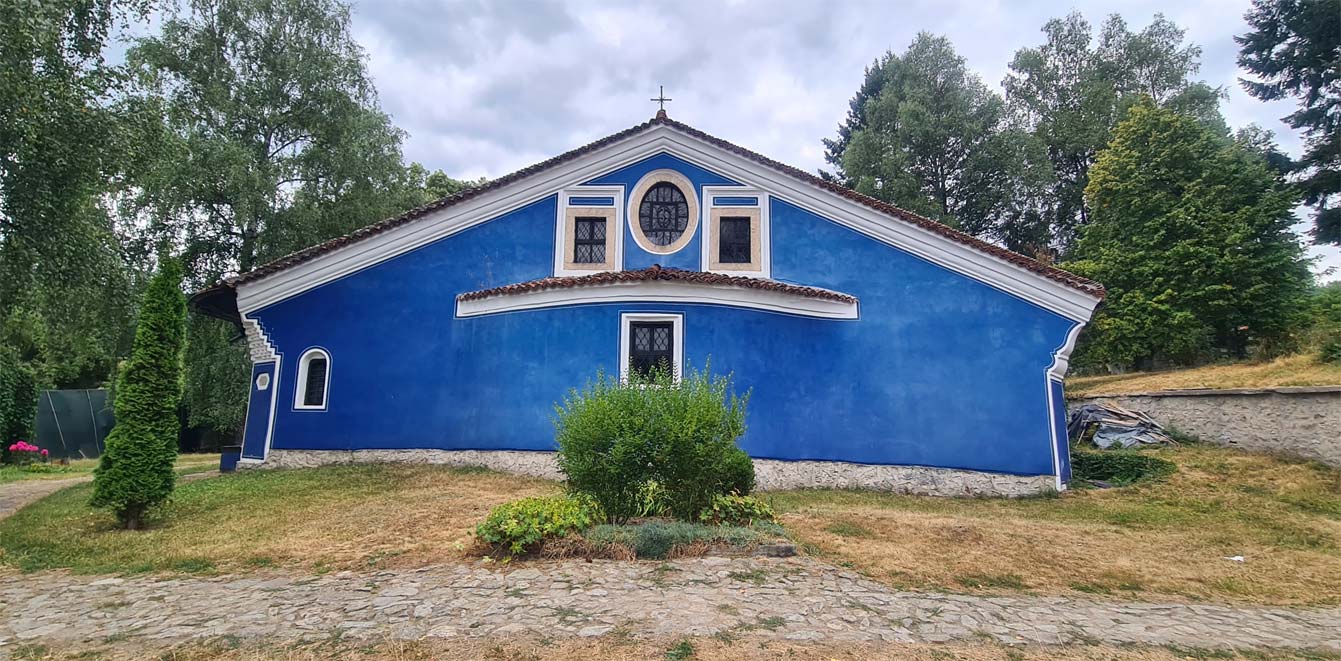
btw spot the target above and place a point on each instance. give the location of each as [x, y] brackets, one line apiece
[660, 292]
[1061, 358]
[922, 242]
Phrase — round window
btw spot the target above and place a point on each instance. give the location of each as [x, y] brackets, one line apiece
[663, 214]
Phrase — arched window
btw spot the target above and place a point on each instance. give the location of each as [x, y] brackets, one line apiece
[314, 379]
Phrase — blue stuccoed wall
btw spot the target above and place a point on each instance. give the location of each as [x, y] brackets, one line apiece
[687, 257]
[258, 412]
[940, 369]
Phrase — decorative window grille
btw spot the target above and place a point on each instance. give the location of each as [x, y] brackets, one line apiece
[589, 240]
[651, 345]
[663, 214]
[733, 243]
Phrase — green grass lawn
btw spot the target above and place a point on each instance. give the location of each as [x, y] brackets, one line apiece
[1167, 539]
[351, 517]
[186, 464]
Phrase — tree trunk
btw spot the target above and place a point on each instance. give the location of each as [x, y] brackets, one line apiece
[133, 517]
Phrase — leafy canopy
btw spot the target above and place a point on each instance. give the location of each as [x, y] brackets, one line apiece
[1190, 233]
[1070, 92]
[924, 132]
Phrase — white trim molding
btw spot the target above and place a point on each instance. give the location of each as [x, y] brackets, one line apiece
[259, 345]
[964, 259]
[626, 320]
[663, 176]
[1061, 357]
[300, 385]
[567, 210]
[761, 264]
[654, 291]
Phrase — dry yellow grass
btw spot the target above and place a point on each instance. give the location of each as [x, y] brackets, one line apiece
[1301, 370]
[1157, 540]
[333, 517]
[621, 646]
[186, 463]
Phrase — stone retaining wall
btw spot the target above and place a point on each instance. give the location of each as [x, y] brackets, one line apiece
[769, 474]
[1302, 421]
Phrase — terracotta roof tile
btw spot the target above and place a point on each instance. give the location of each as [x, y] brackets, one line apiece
[656, 272]
[1051, 272]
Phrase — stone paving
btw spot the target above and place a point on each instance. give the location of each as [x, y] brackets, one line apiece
[794, 598]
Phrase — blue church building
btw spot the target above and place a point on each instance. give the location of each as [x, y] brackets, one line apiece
[881, 348]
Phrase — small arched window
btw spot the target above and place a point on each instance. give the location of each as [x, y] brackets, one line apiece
[314, 379]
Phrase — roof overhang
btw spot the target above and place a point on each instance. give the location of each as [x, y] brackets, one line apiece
[219, 301]
[1065, 294]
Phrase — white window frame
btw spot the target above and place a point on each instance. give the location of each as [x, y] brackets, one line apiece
[626, 320]
[563, 250]
[765, 256]
[300, 386]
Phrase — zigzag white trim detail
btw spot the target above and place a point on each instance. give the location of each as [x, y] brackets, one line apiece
[258, 343]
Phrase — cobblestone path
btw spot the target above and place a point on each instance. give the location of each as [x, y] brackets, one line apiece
[795, 598]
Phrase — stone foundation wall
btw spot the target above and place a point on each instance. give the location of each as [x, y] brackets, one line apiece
[769, 474]
[1304, 422]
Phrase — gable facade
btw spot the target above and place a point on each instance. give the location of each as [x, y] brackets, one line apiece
[866, 339]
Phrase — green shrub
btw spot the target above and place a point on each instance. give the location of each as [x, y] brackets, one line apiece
[736, 510]
[18, 402]
[1330, 351]
[738, 474]
[616, 438]
[519, 526]
[656, 539]
[135, 472]
[1120, 467]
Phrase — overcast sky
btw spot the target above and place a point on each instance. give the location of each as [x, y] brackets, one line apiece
[487, 87]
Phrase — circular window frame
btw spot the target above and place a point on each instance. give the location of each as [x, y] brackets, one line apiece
[636, 200]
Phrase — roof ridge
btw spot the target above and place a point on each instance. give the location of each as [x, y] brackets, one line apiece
[661, 119]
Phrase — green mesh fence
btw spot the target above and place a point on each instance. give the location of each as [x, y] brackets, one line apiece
[71, 424]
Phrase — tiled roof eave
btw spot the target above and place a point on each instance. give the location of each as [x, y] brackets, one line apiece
[657, 274]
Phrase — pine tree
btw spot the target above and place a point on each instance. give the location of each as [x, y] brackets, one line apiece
[1190, 233]
[1294, 50]
[136, 470]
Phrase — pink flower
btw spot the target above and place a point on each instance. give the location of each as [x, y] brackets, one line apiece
[45, 453]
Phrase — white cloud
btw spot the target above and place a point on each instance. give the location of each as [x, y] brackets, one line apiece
[485, 88]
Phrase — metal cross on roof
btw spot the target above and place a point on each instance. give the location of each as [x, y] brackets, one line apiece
[661, 97]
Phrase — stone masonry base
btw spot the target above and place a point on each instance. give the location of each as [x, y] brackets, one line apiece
[769, 474]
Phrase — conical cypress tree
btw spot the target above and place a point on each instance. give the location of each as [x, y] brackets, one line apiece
[136, 469]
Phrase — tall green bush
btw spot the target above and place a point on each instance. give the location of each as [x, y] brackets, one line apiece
[135, 472]
[18, 402]
[616, 437]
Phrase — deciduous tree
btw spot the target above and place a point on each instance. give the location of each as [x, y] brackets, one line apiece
[926, 134]
[1190, 233]
[1070, 92]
